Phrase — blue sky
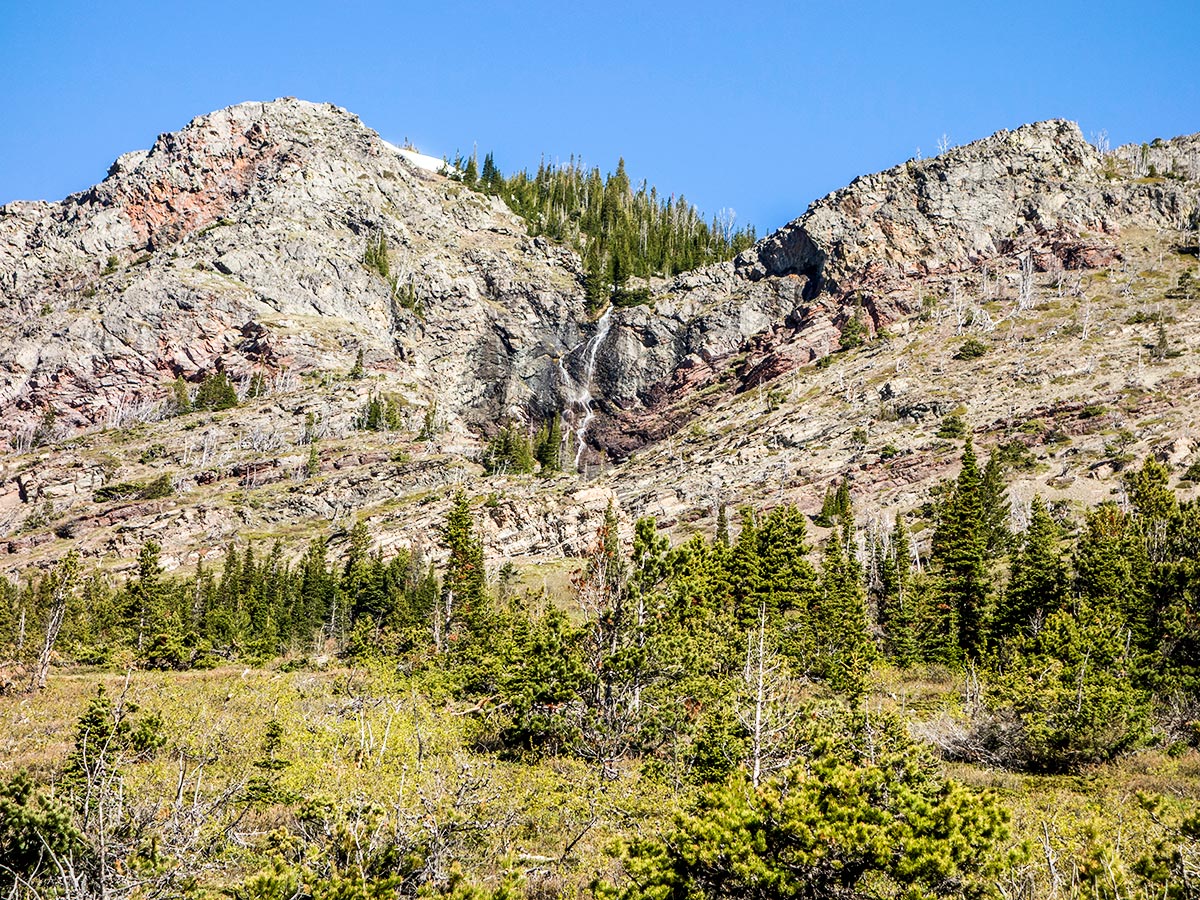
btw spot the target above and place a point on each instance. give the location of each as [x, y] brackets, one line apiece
[760, 108]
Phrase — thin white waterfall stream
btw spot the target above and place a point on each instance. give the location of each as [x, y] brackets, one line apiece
[579, 396]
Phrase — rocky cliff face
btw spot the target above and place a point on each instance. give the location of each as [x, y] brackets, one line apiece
[1040, 192]
[1041, 186]
[237, 244]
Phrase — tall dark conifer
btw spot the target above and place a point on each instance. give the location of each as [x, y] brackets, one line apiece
[959, 555]
[1038, 584]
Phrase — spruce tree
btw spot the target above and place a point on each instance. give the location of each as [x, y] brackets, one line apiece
[1038, 584]
[896, 603]
[994, 507]
[548, 445]
[959, 555]
[839, 621]
[464, 586]
[1112, 569]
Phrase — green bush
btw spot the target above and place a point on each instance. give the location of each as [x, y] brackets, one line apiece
[854, 332]
[509, 451]
[34, 831]
[972, 348]
[382, 413]
[160, 487]
[1065, 698]
[952, 427]
[866, 814]
[216, 392]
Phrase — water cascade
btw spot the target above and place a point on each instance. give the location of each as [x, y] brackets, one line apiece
[579, 396]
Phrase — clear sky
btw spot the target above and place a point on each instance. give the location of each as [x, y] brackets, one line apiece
[760, 108]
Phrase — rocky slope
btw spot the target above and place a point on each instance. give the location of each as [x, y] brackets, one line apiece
[237, 243]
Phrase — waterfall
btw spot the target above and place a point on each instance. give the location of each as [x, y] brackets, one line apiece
[579, 396]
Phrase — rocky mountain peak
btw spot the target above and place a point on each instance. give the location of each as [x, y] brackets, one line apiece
[1036, 185]
[254, 220]
[239, 244]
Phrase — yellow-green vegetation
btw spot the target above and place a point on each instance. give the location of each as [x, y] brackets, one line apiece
[729, 716]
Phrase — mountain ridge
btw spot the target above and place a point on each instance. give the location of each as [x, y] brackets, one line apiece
[239, 245]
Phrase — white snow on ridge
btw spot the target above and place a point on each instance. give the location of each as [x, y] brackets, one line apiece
[420, 160]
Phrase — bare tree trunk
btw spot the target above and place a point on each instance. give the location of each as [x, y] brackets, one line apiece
[759, 694]
[64, 584]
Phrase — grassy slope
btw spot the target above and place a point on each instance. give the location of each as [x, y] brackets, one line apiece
[361, 740]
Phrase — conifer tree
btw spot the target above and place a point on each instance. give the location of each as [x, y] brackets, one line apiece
[1112, 569]
[548, 445]
[1038, 584]
[994, 507]
[959, 554]
[896, 601]
[464, 586]
[490, 179]
[145, 593]
[180, 397]
[722, 536]
[866, 814]
[839, 621]
[1154, 505]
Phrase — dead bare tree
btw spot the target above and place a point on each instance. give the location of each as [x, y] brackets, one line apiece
[1025, 292]
[763, 710]
[62, 585]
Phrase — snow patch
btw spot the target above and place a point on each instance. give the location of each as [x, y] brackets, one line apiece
[420, 160]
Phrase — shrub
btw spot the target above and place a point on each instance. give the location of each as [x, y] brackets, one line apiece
[854, 332]
[865, 815]
[382, 413]
[972, 348]
[1015, 455]
[508, 451]
[1065, 699]
[160, 487]
[152, 453]
[33, 832]
[952, 427]
[216, 392]
[375, 257]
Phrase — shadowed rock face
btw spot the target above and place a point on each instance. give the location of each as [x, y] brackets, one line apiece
[236, 244]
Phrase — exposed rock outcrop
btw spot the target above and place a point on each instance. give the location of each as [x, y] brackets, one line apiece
[237, 243]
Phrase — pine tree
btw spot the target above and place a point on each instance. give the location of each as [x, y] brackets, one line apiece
[722, 536]
[1112, 569]
[1038, 584]
[180, 398]
[896, 602]
[216, 392]
[959, 555]
[839, 621]
[548, 445]
[1154, 505]
[145, 593]
[464, 586]
[866, 813]
[994, 507]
